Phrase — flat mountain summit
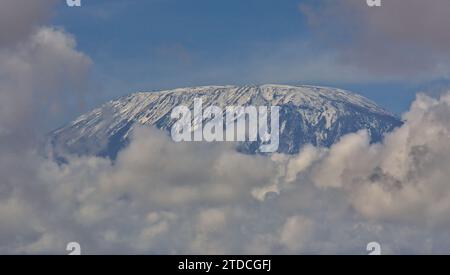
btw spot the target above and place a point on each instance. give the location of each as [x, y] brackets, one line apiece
[308, 115]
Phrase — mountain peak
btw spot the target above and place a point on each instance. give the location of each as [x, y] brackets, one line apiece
[308, 115]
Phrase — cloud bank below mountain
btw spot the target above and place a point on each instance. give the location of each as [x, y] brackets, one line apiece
[162, 197]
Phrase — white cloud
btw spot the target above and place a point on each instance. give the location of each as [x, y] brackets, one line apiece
[162, 197]
[39, 78]
[296, 232]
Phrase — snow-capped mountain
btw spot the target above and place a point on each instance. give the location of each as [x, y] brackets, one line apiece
[308, 115]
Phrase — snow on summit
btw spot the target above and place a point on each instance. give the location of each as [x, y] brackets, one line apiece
[308, 115]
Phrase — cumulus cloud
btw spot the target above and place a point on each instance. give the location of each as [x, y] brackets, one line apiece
[401, 39]
[161, 197]
[404, 179]
[40, 69]
[295, 232]
[156, 198]
[40, 77]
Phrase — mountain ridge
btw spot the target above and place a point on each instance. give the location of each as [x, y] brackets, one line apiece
[308, 115]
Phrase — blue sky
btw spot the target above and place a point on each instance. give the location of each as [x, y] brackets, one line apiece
[157, 44]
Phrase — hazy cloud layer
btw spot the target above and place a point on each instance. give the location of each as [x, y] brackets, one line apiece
[19, 18]
[401, 39]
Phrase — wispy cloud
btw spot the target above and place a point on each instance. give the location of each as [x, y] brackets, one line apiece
[18, 18]
[404, 39]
